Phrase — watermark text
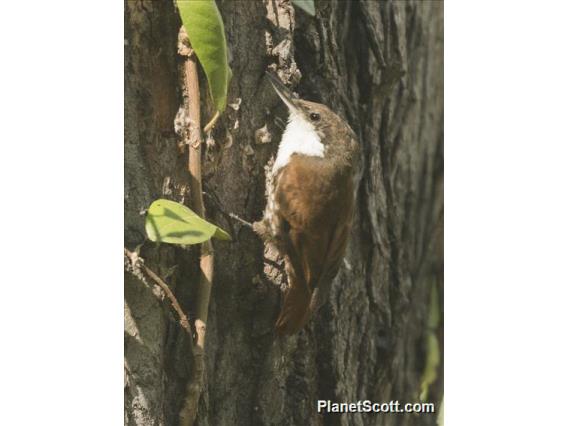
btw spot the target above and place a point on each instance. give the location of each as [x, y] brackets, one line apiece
[327, 406]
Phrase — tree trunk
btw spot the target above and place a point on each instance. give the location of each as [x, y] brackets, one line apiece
[379, 65]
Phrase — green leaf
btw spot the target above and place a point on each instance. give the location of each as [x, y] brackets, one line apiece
[221, 234]
[204, 27]
[307, 6]
[433, 357]
[430, 373]
[174, 223]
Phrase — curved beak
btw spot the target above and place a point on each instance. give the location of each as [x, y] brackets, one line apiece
[285, 94]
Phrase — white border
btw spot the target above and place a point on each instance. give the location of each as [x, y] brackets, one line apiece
[506, 232]
[61, 306]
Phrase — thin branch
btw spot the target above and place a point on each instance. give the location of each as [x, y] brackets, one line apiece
[138, 264]
[188, 412]
[242, 221]
[220, 208]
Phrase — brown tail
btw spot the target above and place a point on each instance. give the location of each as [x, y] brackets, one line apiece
[296, 310]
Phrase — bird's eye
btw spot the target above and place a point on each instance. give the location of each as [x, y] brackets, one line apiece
[314, 116]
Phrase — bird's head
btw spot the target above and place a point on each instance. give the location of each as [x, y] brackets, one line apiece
[329, 127]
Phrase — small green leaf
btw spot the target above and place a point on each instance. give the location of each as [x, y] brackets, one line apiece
[430, 373]
[204, 27]
[174, 223]
[307, 6]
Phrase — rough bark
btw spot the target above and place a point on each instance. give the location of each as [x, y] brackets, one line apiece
[380, 65]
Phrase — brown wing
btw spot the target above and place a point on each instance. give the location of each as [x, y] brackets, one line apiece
[333, 262]
[315, 211]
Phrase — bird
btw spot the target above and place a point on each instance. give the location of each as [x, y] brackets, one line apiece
[310, 201]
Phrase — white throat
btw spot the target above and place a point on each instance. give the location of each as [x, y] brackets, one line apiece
[300, 137]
